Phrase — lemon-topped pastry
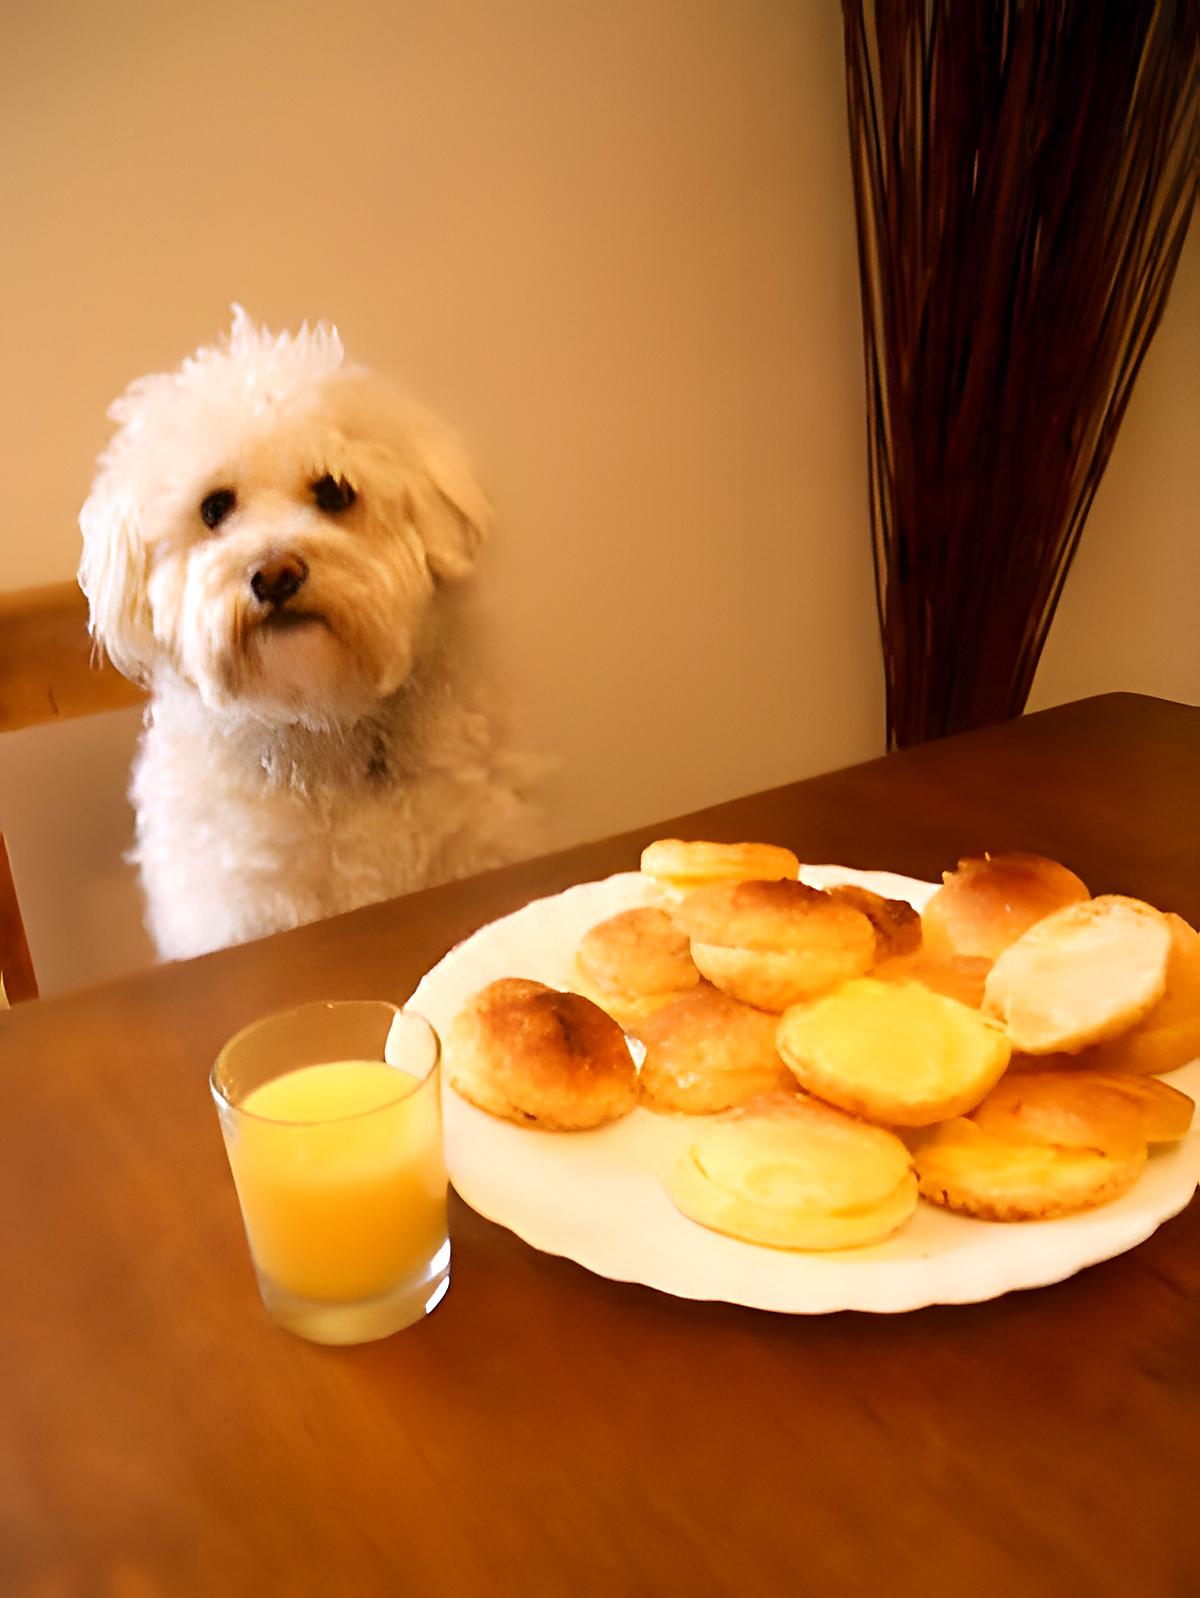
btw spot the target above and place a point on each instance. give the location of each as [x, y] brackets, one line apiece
[893, 1051]
[792, 1173]
[1050, 1143]
[967, 1168]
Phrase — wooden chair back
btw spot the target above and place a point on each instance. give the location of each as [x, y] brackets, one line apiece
[17, 979]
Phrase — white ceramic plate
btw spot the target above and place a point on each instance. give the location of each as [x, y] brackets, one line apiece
[597, 1198]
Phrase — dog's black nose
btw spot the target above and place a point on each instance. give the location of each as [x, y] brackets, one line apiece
[276, 580]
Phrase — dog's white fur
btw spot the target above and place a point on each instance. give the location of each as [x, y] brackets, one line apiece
[291, 770]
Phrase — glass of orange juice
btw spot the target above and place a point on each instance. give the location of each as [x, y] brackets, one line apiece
[332, 1121]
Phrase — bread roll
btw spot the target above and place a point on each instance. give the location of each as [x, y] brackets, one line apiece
[1085, 1109]
[707, 1052]
[1081, 975]
[991, 899]
[634, 963]
[966, 1168]
[529, 1054]
[896, 924]
[772, 944]
[794, 1174]
[893, 1051]
[686, 865]
[1167, 1037]
[957, 976]
[1166, 1112]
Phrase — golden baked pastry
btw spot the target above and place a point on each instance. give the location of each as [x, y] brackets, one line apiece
[633, 963]
[963, 1167]
[1085, 1109]
[897, 925]
[991, 899]
[1080, 976]
[1166, 1038]
[686, 865]
[893, 1051]
[957, 976]
[707, 1052]
[1166, 1112]
[794, 1174]
[530, 1054]
[772, 944]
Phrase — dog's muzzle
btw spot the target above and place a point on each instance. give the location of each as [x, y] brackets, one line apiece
[277, 580]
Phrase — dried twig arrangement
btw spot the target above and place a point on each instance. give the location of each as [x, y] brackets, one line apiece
[1024, 175]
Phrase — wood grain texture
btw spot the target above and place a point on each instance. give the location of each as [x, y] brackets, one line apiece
[48, 671]
[547, 1431]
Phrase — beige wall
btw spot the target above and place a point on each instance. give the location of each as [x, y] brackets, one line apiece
[614, 242]
[1130, 611]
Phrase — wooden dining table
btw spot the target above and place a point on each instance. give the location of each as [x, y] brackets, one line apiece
[547, 1430]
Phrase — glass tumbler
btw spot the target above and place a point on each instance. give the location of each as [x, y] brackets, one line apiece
[331, 1115]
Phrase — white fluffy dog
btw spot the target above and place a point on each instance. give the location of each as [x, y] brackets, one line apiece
[274, 545]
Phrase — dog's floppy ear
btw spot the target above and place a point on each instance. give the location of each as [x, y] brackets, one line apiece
[450, 510]
[112, 574]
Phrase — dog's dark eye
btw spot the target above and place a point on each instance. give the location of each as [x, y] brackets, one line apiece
[333, 494]
[216, 506]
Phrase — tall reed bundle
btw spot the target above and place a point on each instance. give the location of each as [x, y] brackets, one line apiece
[1024, 173]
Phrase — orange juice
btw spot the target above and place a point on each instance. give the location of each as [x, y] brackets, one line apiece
[341, 1178]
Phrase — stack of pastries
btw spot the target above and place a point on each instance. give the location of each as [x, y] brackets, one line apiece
[997, 1055]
